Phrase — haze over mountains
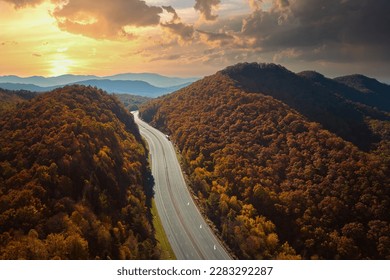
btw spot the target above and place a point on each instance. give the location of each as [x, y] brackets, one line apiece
[145, 84]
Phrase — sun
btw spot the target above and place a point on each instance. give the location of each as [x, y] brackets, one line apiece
[61, 65]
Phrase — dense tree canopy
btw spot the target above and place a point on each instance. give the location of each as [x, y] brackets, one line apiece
[276, 183]
[9, 98]
[132, 102]
[73, 180]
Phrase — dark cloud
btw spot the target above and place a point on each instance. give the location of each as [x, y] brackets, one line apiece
[184, 31]
[282, 3]
[216, 36]
[99, 19]
[205, 7]
[222, 39]
[323, 29]
[24, 3]
[228, 24]
[105, 19]
[172, 11]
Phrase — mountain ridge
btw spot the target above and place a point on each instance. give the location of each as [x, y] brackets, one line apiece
[364, 83]
[154, 79]
[322, 101]
[111, 86]
[358, 88]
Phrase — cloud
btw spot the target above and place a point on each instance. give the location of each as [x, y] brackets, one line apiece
[220, 57]
[102, 19]
[167, 57]
[205, 7]
[254, 4]
[216, 39]
[24, 3]
[172, 11]
[323, 29]
[184, 31]
[175, 26]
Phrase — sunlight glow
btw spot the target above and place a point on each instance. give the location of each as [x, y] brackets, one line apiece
[61, 65]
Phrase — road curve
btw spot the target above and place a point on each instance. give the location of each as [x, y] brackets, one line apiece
[190, 236]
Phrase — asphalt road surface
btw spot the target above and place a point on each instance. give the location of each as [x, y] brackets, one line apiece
[190, 236]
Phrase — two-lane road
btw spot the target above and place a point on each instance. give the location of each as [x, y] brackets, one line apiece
[190, 236]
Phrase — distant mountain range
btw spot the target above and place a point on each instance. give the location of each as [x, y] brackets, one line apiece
[145, 84]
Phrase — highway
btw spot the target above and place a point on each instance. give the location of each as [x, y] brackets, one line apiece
[190, 236]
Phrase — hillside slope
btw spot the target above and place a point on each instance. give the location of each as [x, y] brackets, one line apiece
[272, 179]
[73, 180]
[319, 102]
[9, 99]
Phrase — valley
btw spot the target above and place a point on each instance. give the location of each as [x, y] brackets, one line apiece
[284, 165]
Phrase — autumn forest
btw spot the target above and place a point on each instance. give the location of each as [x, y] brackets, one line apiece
[75, 183]
[284, 165]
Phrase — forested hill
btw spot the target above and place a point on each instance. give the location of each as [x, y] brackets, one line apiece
[336, 106]
[267, 154]
[10, 98]
[73, 179]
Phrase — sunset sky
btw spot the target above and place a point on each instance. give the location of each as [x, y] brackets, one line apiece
[193, 37]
